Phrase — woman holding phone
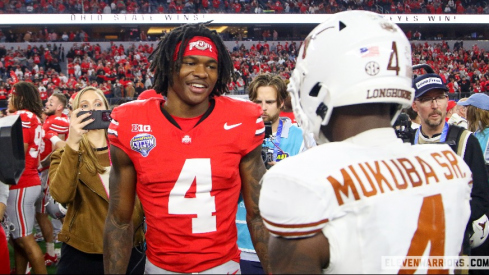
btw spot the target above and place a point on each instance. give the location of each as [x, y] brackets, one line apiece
[79, 178]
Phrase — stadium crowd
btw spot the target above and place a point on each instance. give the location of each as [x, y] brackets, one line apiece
[123, 73]
[242, 6]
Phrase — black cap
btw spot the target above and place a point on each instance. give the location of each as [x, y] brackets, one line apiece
[427, 82]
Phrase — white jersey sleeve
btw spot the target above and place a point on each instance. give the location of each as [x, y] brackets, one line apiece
[293, 208]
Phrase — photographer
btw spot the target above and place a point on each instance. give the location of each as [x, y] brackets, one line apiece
[431, 101]
[269, 91]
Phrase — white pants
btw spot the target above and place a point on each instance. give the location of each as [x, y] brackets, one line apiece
[21, 210]
[230, 267]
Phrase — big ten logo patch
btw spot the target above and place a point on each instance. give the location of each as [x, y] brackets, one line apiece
[141, 128]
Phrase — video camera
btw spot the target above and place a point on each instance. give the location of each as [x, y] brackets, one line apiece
[12, 155]
[267, 152]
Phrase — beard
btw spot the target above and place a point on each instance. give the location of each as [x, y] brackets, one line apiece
[434, 123]
[49, 112]
[271, 119]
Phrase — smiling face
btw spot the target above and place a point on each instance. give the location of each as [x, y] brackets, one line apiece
[195, 81]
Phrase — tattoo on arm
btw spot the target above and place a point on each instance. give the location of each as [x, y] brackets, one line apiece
[116, 257]
[252, 170]
[119, 230]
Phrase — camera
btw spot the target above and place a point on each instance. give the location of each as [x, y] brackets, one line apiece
[102, 119]
[12, 156]
[267, 152]
[403, 128]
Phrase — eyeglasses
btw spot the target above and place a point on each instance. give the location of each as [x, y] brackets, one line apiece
[429, 99]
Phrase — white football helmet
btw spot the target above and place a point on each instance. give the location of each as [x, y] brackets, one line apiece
[55, 209]
[355, 57]
[481, 231]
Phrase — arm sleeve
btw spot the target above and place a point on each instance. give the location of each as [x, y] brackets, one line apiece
[114, 129]
[291, 209]
[27, 132]
[257, 128]
[60, 125]
[479, 204]
[63, 174]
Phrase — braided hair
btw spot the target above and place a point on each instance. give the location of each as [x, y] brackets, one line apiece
[27, 97]
[164, 66]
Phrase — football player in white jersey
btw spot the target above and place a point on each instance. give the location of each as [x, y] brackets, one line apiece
[362, 194]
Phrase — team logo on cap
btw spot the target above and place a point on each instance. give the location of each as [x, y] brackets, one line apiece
[143, 143]
[428, 81]
[200, 45]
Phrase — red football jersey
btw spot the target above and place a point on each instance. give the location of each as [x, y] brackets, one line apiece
[188, 182]
[32, 134]
[53, 126]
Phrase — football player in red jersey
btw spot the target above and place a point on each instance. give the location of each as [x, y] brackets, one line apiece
[26, 102]
[188, 158]
[55, 129]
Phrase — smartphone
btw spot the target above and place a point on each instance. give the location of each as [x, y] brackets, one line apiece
[102, 119]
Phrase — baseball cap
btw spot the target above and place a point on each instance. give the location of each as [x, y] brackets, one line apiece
[479, 100]
[451, 104]
[427, 82]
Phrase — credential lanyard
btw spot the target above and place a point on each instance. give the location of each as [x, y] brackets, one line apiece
[443, 136]
[276, 141]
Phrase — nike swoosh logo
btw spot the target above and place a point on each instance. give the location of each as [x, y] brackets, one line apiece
[229, 127]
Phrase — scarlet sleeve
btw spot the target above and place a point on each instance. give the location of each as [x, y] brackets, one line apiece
[117, 115]
[27, 131]
[253, 114]
[60, 125]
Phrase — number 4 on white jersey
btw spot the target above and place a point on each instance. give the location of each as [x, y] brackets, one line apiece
[203, 205]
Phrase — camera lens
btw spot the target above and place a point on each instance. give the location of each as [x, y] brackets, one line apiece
[105, 116]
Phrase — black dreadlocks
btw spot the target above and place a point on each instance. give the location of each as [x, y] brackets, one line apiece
[27, 97]
[164, 66]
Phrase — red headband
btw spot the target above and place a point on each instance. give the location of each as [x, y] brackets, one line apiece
[198, 45]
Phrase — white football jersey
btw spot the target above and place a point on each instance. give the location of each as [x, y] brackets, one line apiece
[371, 196]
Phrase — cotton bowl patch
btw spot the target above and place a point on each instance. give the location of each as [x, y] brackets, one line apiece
[143, 143]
